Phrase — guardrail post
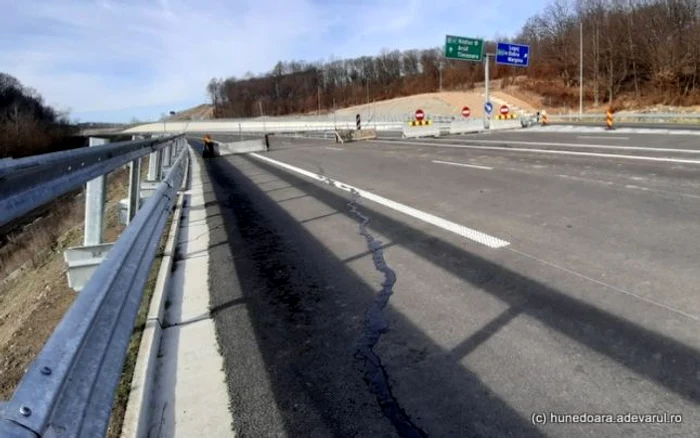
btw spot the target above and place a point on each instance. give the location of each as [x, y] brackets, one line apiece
[95, 204]
[153, 167]
[166, 158]
[134, 189]
[174, 148]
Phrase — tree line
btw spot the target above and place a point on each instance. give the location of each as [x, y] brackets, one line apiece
[27, 125]
[648, 50]
[301, 87]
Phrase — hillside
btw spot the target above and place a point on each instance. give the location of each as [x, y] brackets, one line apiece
[446, 103]
[200, 112]
[29, 126]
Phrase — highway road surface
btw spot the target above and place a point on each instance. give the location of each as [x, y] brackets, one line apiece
[508, 284]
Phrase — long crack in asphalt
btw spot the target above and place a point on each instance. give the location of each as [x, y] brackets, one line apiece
[375, 325]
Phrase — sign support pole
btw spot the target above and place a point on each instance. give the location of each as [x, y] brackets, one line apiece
[580, 81]
[487, 118]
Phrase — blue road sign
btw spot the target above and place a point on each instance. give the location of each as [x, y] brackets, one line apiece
[488, 107]
[513, 54]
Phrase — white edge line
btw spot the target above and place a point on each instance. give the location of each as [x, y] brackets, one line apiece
[543, 151]
[334, 149]
[582, 145]
[463, 165]
[469, 233]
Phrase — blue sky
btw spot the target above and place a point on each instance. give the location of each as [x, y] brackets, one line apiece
[113, 60]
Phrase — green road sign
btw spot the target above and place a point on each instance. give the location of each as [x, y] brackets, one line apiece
[467, 49]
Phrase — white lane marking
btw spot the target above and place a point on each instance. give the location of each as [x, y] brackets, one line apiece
[584, 146]
[546, 151]
[469, 233]
[646, 189]
[463, 165]
[609, 286]
[600, 137]
[591, 180]
[334, 149]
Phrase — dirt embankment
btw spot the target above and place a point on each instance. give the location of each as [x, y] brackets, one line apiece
[34, 292]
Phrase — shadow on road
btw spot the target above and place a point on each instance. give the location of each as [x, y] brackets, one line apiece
[655, 357]
[307, 309]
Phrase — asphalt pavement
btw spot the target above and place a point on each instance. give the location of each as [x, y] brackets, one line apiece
[468, 286]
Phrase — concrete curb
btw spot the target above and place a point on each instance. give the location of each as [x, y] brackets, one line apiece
[138, 408]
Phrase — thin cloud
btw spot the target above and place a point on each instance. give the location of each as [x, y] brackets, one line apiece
[113, 55]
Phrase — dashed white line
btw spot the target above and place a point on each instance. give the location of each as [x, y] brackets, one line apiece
[334, 149]
[469, 233]
[463, 165]
[630, 186]
[547, 151]
[599, 137]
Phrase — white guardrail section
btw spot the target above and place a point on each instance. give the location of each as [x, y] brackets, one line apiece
[68, 390]
[258, 126]
[284, 124]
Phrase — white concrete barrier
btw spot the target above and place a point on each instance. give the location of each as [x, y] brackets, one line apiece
[497, 125]
[421, 131]
[465, 126]
[240, 147]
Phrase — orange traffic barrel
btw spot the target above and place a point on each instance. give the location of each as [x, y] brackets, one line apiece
[609, 119]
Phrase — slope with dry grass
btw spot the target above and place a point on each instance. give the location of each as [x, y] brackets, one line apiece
[34, 292]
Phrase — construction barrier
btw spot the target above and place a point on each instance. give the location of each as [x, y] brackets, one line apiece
[241, 147]
[426, 131]
[420, 122]
[544, 118]
[343, 135]
[609, 119]
[506, 116]
[463, 127]
[497, 125]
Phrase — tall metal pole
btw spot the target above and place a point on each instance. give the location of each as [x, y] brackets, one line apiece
[487, 117]
[580, 102]
[262, 115]
[367, 99]
[319, 101]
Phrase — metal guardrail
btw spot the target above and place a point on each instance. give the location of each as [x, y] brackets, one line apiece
[663, 118]
[28, 183]
[68, 390]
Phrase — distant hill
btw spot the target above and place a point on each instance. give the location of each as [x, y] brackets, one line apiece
[200, 112]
